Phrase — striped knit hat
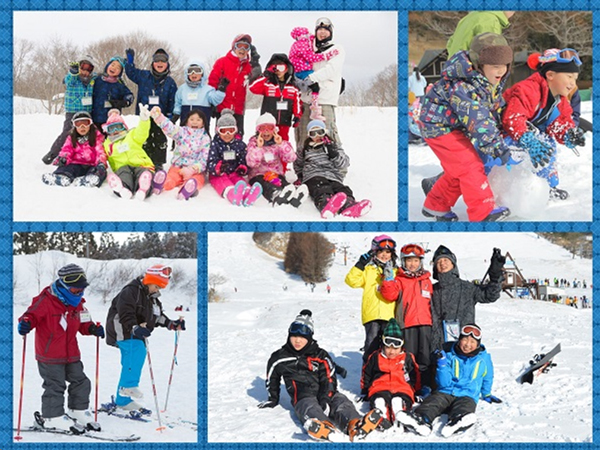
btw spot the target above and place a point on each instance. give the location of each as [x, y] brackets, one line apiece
[72, 275]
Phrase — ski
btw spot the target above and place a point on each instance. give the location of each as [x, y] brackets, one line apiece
[99, 435]
[110, 408]
[539, 364]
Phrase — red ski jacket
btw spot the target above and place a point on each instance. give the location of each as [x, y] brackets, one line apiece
[56, 326]
[399, 375]
[523, 102]
[413, 298]
[237, 72]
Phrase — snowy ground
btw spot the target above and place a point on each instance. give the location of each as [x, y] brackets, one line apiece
[369, 136]
[182, 402]
[251, 323]
[524, 193]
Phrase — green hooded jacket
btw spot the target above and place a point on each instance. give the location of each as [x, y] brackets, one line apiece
[474, 23]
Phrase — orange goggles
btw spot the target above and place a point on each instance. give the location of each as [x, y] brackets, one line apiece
[471, 330]
[386, 243]
[412, 250]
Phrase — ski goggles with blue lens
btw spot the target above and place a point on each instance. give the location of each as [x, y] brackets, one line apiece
[116, 127]
[300, 329]
[566, 55]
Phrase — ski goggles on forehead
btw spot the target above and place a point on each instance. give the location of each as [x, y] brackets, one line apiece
[386, 243]
[395, 342]
[566, 55]
[195, 71]
[241, 46]
[413, 250]
[227, 130]
[70, 279]
[164, 271]
[86, 66]
[300, 329]
[82, 122]
[316, 132]
[265, 127]
[115, 128]
[323, 22]
[471, 330]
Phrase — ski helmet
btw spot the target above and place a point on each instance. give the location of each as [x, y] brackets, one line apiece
[472, 330]
[382, 242]
[412, 251]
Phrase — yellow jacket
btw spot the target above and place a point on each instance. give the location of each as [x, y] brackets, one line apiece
[374, 306]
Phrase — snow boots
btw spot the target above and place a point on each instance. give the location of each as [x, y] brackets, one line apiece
[323, 430]
[559, 194]
[360, 428]
[90, 180]
[144, 184]
[56, 180]
[498, 214]
[235, 194]
[356, 209]
[117, 187]
[64, 423]
[448, 216]
[414, 422]
[133, 392]
[251, 194]
[85, 418]
[458, 424]
[333, 205]
[158, 182]
[427, 183]
[189, 189]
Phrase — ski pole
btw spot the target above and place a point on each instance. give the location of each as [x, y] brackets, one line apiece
[160, 426]
[18, 437]
[172, 367]
[97, 374]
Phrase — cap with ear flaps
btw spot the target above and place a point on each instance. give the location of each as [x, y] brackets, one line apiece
[490, 48]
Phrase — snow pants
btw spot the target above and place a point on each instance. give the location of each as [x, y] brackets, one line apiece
[79, 170]
[56, 377]
[130, 175]
[270, 190]
[341, 412]
[376, 399]
[439, 403]
[221, 182]
[464, 175]
[174, 179]
[156, 145]
[322, 189]
[133, 356]
[417, 340]
[60, 140]
[373, 331]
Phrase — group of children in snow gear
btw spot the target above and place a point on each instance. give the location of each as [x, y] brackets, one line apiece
[59, 313]
[472, 126]
[238, 173]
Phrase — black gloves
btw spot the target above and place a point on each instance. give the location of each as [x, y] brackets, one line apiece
[315, 88]
[575, 138]
[267, 404]
[24, 327]
[175, 118]
[223, 83]
[178, 324]
[96, 330]
[254, 56]
[496, 264]
[332, 151]
[62, 161]
[140, 332]
[120, 104]
[130, 54]
[363, 260]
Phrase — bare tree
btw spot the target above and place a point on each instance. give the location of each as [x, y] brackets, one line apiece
[22, 64]
[569, 28]
[384, 88]
[214, 281]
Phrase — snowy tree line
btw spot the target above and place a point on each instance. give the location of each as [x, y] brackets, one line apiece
[39, 70]
[86, 245]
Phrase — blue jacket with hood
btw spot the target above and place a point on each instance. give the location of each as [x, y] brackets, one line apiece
[105, 91]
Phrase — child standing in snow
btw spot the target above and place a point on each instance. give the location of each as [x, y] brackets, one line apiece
[266, 154]
[57, 315]
[320, 164]
[79, 84]
[310, 380]
[196, 94]
[390, 376]
[227, 164]
[155, 88]
[81, 161]
[132, 168]
[411, 289]
[538, 113]
[281, 97]
[459, 121]
[464, 374]
[302, 57]
[189, 160]
[110, 91]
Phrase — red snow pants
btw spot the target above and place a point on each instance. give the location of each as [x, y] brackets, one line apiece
[463, 175]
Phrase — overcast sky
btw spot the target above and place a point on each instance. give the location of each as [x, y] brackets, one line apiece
[369, 38]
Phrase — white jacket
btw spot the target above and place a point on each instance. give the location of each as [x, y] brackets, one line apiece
[329, 76]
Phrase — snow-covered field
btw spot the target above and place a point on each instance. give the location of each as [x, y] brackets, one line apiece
[251, 323]
[520, 190]
[369, 136]
[183, 398]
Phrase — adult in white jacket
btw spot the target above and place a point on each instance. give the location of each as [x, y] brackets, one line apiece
[328, 75]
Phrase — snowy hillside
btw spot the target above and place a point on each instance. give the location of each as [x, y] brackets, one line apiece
[252, 322]
[369, 136]
[520, 190]
[41, 268]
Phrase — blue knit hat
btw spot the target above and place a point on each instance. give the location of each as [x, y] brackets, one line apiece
[315, 124]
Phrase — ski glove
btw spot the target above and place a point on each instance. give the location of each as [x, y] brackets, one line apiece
[341, 371]
[267, 404]
[492, 399]
[388, 271]
[178, 324]
[496, 264]
[96, 330]
[140, 332]
[120, 104]
[130, 54]
[24, 327]
[363, 260]
[221, 168]
[422, 393]
[223, 83]
[254, 56]
[74, 67]
[144, 112]
[241, 170]
[332, 151]
[314, 87]
[61, 161]
[575, 137]
[540, 152]
[441, 358]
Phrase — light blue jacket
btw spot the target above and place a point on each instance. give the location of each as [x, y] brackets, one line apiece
[201, 95]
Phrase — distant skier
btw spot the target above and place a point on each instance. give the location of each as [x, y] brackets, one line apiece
[58, 314]
[464, 374]
[310, 380]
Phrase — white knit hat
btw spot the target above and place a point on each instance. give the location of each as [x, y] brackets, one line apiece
[266, 119]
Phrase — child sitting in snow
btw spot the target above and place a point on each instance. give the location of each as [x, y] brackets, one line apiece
[390, 376]
[459, 121]
[302, 56]
[196, 94]
[131, 166]
[319, 165]
[266, 154]
[81, 161]
[538, 113]
[464, 374]
[227, 164]
[189, 160]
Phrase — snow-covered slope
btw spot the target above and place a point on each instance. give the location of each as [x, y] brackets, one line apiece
[182, 402]
[252, 322]
[369, 136]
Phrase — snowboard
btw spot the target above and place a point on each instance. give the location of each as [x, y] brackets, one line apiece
[539, 364]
